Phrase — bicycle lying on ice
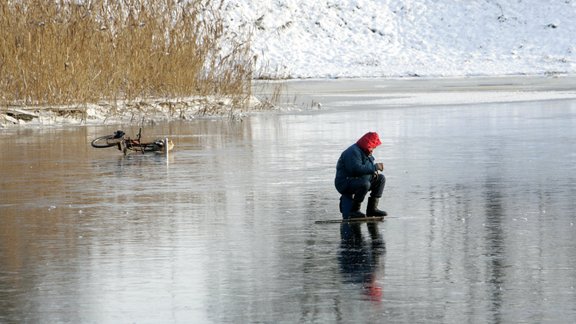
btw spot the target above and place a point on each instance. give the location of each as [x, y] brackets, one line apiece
[127, 144]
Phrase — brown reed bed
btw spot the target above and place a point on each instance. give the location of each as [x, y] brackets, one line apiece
[72, 52]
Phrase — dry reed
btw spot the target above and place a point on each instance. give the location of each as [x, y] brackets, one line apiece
[82, 51]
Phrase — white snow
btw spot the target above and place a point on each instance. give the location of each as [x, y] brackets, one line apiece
[396, 38]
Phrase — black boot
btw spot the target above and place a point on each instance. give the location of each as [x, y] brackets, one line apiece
[355, 211]
[372, 208]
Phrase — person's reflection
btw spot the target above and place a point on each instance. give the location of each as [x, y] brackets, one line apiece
[359, 259]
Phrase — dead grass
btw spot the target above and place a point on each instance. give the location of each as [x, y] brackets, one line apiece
[62, 52]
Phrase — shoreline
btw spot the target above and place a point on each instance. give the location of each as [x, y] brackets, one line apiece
[146, 111]
[409, 91]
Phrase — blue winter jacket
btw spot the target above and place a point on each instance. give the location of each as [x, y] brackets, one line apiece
[354, 163]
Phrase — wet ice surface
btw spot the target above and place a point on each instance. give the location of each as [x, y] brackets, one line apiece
[481, 225]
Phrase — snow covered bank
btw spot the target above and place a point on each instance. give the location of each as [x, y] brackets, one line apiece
[140, 111]
[391, 38]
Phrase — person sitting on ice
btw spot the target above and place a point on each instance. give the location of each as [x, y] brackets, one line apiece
[357, 174]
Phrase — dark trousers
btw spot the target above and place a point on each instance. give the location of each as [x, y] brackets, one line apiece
[356, 189]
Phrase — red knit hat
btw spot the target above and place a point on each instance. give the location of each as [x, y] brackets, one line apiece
[369, 142]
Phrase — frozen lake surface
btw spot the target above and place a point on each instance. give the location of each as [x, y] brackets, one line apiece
[480, 197]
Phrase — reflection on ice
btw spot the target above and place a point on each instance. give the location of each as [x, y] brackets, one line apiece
[360, 261]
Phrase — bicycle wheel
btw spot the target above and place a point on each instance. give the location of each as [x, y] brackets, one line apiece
[104, 141]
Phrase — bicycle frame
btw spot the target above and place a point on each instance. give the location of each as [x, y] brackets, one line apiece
[125, 143]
